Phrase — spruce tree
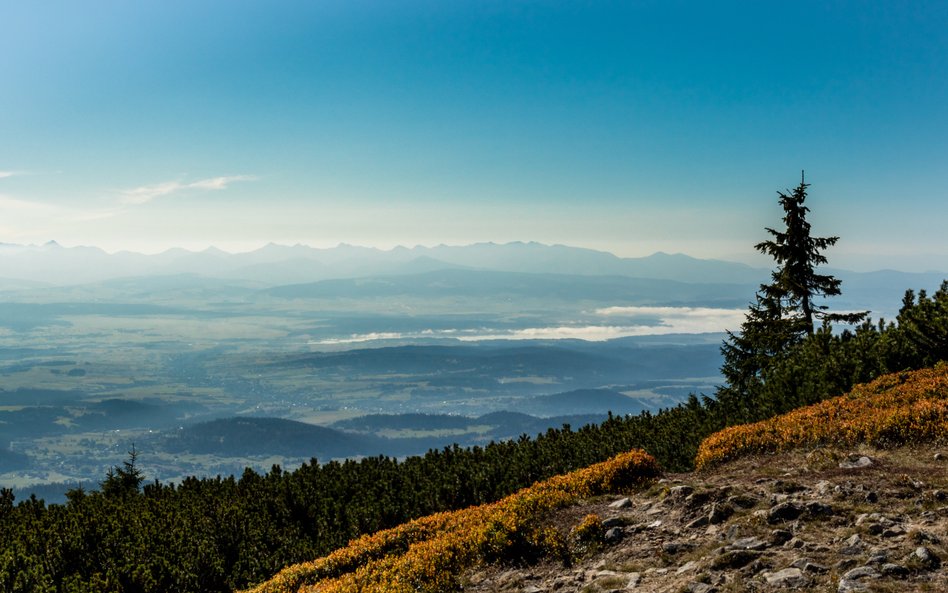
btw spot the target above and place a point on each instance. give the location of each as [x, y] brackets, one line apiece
[784, 311]
[797, 254]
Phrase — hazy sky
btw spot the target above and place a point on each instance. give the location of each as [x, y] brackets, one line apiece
[631, 126]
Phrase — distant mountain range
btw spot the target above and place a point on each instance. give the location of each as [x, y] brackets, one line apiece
[277, 264]
[299, 271]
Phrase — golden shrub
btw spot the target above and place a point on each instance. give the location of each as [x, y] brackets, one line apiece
[895, 409]
[429, 554]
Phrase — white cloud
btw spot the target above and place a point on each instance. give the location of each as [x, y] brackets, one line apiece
[34, 221]
[683, 319]
[147, 193]
[8, 173]
[216, 183]
[16, 205]
[667, 320]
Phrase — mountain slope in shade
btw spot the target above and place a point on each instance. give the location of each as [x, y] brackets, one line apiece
[582, 401]
[494, 284]
[242, 437]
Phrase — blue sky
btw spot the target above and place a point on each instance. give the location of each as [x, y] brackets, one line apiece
[628, 126]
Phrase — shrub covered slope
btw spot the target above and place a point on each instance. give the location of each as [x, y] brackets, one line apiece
[896, 409]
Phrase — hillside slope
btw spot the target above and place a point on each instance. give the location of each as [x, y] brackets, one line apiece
[827, 519]
[807, 500]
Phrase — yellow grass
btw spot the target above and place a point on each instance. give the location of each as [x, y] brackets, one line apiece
[429, 554]
[896, 409]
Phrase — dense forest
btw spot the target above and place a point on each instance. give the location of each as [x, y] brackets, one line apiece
[223, 533]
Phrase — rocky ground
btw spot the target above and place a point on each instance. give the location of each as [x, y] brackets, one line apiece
[821, 520]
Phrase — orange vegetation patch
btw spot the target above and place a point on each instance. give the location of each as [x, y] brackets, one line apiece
[429, 554]
[896, 409]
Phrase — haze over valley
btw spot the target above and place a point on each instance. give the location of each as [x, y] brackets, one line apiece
[210, 362]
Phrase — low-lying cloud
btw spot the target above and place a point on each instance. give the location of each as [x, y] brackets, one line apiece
[684, 320]
[634, 321]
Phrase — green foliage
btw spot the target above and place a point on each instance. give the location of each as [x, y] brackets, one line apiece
[795, 283]
[125, 480]
[778, 334]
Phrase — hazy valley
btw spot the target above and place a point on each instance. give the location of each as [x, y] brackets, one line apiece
[209, 362]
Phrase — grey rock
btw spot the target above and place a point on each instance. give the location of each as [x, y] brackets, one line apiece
[734, 559]
[613, 535]
[853, 580]
[699, 522]
[861, 572]
[855, 462]
[696, 499]
[894, 531]
[784, 511]
[853, 546]
[814, 568]
[895, 570]
[622, 503]
[796, 543]
[778, 537]
[689, 566]
[532, 589]
[612, 522]
[677, 547]
[789, 577]
[853, 540]
[851, 587]
[699, 588]
[808, 566]
[845, 564]
[925, 557]
[816, 508]
[851, 550]
[749, 543]
[680, 491]
[720, 513]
